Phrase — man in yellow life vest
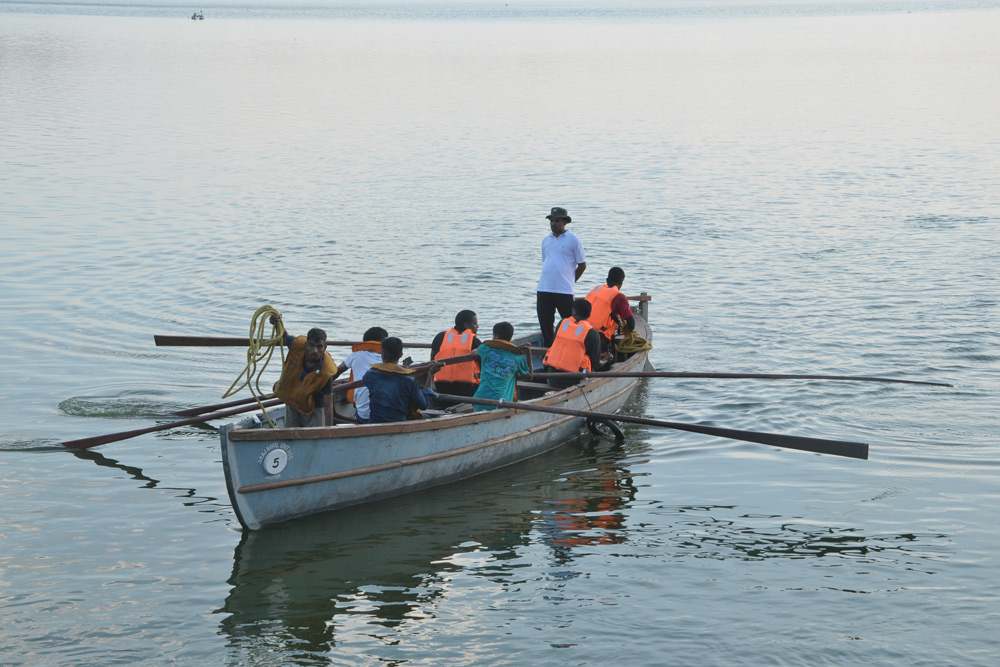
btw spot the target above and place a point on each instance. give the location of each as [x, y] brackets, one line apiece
[457, 379]
[609, 305]
[577, 346]
[306, 382]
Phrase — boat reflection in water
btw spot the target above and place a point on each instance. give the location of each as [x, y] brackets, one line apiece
[294, 583]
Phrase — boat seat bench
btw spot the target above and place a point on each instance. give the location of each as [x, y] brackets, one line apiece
[536, 386]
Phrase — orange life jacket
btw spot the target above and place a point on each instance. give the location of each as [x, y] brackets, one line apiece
[367, 346]
[569, 350]
[453, 345]
[299, 393]
[600, 299]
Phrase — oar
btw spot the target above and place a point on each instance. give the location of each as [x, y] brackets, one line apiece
[854, 450]
[420, 368]
[84, 443]
[236, 341]
[191, 412]
[338, 387]
[753, 376]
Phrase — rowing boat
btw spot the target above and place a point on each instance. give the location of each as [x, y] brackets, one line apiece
[277, 474]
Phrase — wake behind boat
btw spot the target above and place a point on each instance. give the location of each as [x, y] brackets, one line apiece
[277, 474]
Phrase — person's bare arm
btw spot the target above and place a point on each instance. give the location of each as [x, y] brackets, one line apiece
[527, 355]
[328, 409]
[580, 268]
[430, 373]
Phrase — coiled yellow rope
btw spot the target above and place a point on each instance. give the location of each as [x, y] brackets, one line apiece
[632, 343]
[261, 349]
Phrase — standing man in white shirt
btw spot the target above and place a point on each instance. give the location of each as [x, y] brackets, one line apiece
[563, 262]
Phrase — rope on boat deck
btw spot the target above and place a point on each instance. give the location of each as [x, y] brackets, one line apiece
[261, 348]
[633, 343]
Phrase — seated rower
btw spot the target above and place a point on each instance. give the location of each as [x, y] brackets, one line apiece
[576, 348]
[458, 379]
[609, 307]
[394, 394]
[501, 362]
[362, 357]
[306, 382]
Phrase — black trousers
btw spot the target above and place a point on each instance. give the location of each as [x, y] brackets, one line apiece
[546, 304]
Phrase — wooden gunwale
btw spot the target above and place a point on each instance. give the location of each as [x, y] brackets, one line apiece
[504, 413]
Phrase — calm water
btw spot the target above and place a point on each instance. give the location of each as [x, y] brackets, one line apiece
[802, 187]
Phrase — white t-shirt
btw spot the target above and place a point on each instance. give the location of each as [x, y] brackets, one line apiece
[560, 255]
[359, 362]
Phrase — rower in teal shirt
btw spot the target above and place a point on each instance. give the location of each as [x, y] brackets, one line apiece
[500, 363]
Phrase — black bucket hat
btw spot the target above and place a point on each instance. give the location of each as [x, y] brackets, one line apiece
[559, 213]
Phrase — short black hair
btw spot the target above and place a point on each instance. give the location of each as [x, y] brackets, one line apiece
[376, 334]
[616, 276]
[316, 335]
[392, 350]
[464, 317]
[581, 309]
[503, 331]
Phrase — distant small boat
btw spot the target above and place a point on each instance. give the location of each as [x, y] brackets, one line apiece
[198, 16]
[274, 475]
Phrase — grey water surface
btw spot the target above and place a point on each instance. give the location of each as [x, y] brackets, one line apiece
[801, 187]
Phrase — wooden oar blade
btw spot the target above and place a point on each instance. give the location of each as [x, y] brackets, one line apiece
[200, 341]
[853, 450]
[86, 443]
